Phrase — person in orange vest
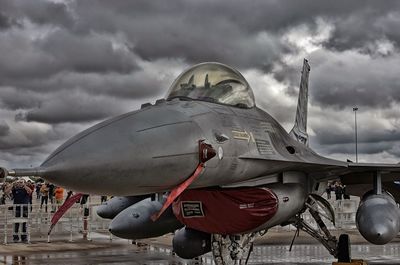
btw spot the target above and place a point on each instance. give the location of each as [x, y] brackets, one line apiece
[59, 194]
[44, 194]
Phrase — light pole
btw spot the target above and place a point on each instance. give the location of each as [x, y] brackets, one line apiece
[355, 125]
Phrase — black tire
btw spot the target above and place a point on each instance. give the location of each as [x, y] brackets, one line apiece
[344, 248]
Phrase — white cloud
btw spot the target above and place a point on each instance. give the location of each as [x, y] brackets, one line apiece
[307, 39]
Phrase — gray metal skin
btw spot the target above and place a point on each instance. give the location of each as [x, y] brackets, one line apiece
[378, 218]
[299, 131]
[291, 197]
[114, 206]
[134, 222]
[154, 149]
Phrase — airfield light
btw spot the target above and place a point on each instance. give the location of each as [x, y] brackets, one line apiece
[355, 126]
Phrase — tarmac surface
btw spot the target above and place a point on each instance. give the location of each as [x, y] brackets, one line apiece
[271, 249]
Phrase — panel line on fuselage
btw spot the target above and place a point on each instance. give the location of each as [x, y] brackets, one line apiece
[163, 125]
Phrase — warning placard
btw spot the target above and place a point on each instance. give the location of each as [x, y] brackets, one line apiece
[192, 209]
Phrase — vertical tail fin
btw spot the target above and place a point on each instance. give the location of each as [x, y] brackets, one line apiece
[299, 131]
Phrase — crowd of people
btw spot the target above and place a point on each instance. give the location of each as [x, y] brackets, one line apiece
[19, 195]
[338, 189]
[45, 193]
[21, 192]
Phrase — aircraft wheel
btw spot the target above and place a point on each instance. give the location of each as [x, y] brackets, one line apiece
[231, 250]
[344, 250]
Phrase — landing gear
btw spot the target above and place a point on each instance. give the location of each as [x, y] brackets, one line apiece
[236, 249]
[232, 249]
[318, 206]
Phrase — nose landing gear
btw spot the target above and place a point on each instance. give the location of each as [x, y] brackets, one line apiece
[232, 249]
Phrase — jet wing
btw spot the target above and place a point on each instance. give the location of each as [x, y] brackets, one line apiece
[363, 173]
[359, 178]
[358, 172]
[375, 166]
[324, 169]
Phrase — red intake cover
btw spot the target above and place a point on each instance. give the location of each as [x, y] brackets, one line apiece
[225, 211]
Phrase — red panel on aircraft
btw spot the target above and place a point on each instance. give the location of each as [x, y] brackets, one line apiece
[225, 211]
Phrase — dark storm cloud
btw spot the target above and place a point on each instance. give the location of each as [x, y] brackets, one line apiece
[326, 136]
[72, 107]
[39, 12]
[14, 99]
[27, 139]
[341, 80]
[349, 79]
[193, 31]
[7, 22]
[22, 58]
[367, 25]
[133, 85]
[395, 150]
[367, 149]
[48, 13]
[4, 129]
[228, 30]
[4, 21]
[77, 62]
[86, 54]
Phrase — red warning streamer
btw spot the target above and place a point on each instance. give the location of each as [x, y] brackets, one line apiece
[178, 190]
[63, 209]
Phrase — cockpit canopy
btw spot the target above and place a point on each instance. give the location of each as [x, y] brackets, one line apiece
[213, 82]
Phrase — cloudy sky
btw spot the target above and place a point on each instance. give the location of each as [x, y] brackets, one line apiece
[66, 65]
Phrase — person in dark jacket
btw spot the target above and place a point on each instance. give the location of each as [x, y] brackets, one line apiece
[20, 192]
[52, 188]
[328, 191]
[338, 191]
[345, 195]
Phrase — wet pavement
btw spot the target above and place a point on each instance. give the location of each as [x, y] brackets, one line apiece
[273, 248]
[124, 254]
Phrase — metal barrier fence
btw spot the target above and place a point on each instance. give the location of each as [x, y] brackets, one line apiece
[78, 222]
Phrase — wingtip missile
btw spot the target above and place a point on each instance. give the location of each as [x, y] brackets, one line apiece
[21, 172]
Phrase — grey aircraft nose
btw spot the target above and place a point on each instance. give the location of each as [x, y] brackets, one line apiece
[129, 154]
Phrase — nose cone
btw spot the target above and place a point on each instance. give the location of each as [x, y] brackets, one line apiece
[378, 219]
[135, 223]
[141, 152]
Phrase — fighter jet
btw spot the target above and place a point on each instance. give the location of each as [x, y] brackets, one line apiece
[209, 165]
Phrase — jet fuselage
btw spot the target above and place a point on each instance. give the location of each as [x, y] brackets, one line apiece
[156, 148]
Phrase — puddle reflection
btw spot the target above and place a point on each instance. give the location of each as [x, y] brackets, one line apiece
[151, 255]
